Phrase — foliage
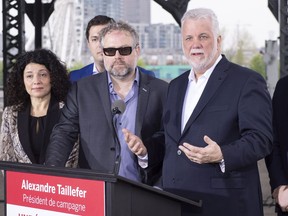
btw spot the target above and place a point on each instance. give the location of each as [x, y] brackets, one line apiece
[239, 57]
[257, 63]
[76, 66]
[141, 62]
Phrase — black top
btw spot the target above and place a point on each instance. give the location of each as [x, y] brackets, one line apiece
[37, 126]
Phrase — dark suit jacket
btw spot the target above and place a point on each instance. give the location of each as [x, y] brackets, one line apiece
[88, 71]
[277, 161]
[88, 112]
[15, 142]
[53, 115]
[234, 111]
[83, 72]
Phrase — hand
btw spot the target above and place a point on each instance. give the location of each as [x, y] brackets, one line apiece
[134, 143]
[281, 196]
[209, 154]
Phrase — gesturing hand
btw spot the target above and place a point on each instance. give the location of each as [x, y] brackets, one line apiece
[208, 154]
[134, 143]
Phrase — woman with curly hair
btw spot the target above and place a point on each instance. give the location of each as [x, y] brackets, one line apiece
[35, 93]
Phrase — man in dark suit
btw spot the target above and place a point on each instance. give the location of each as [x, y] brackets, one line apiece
[218, 129]
[95, 25]
[87, 114]
[277, 161]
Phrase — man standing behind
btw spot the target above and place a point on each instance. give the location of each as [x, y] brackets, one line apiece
[88, 113]
[95, 25]
[219, 128]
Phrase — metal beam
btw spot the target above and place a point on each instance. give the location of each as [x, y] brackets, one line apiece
[283, 38]
[13, 35]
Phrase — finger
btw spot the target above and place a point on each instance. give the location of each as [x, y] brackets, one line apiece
[187, 145]
[137, 149]
[126, 137]
[134, 146]
[188, 154]
[184, 149]
[191, 148]
[208, 140]
[125, 131]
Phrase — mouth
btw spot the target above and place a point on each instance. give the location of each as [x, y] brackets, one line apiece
[197, 54]
[119, 63]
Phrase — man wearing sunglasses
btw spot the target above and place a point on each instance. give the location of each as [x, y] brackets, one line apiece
[95, 25]
[109, 138]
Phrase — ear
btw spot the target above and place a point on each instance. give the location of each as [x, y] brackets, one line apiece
[219, 41]
[138, 50]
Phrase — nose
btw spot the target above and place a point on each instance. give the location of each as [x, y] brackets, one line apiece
[36, 79]
[196, 44]
[117, 54]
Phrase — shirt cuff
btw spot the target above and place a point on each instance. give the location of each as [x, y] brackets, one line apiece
[222, 165]
[143, 161]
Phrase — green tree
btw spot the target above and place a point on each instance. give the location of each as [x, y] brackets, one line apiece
[239, 57]
[141, 63]
[76, 66]
[257, 63]
[239, 47]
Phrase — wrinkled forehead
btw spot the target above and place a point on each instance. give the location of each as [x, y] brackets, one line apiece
[118, 38]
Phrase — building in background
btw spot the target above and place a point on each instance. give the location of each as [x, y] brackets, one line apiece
[137, 11]
[64, 32]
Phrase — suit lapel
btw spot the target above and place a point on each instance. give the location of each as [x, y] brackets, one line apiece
[179, 104]
[216, 79]
[23, 126]
[143, 97]
[88, 71]
[52, 118]
[103, 91]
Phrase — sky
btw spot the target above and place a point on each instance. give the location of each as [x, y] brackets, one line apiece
[252, 16]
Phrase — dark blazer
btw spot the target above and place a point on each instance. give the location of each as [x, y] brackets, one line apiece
[15, 141]
[88, 71]
[80, 73]
[234, 111]
[277, 161]
[53, 115]
[88, 112]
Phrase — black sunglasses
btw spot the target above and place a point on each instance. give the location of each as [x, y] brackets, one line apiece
[124, 51]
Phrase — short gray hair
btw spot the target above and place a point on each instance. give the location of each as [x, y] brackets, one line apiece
[203, 13]
[120, 26]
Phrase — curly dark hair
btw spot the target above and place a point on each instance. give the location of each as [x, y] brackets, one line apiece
[15, 89]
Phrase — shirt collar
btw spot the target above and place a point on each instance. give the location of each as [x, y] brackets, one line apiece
[207, 74]
[95, 71]
[136, 80]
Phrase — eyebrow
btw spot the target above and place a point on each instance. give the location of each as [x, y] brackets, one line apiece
[41, 70]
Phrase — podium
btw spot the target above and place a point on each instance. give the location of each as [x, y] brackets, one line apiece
[32, 189]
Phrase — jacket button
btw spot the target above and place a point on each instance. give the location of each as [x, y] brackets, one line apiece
[112, 148]
[179, 152]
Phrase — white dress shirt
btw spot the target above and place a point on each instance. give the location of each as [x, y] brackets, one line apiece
[95, 71]
[194, 91]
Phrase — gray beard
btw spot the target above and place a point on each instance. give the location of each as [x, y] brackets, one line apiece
[121, 76]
